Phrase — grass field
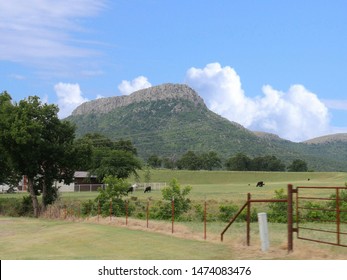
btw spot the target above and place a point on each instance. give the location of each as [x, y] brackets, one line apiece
[111, 239]
[40, 239]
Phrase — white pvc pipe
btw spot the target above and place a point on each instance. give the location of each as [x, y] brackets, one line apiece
[264, 232]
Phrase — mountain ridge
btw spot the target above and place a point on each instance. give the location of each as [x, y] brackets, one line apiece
[161, 92]
[328, 138]
[175, 120]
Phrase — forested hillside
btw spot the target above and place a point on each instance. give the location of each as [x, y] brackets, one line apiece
[177, 121]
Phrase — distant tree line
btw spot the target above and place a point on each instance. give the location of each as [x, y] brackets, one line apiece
[239, 162]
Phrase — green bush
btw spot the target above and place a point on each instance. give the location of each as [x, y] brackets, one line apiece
[115, 190]
[227, 212]
[181, 203]
[16, 207]
[278, 210]
[89, 208]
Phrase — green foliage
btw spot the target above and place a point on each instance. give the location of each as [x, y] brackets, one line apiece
[204, 161]
[16, 207]
[26, 207]
[110, 198]
[267, 163]
[181, 203]
[37, 144]
[154, 161]
[239, 162]
[89, 208]
[278, 210]
[342, 205]
[227, 212]
[313, 212]
[157, 127]
[116, 158]
[120, 164]
[147, 174]
[298, 165]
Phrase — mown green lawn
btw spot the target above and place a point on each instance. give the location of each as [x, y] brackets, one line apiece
[26, 238]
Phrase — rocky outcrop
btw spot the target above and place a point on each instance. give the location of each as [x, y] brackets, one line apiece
[161, 92]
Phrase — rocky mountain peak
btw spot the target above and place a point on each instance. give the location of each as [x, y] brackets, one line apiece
[160, 92]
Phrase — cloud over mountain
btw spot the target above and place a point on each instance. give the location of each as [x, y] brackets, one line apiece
[296, 114]
[69, 97]
[127, 87]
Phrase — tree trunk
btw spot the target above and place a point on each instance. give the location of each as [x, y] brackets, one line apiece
[33, 197]
[44, 195]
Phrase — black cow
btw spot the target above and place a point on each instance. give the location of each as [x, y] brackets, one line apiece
[260, 184]
[148, 189]
[130, 190]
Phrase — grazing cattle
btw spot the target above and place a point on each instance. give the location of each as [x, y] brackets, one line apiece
[260, 184]
[148, 189]
[130, 190]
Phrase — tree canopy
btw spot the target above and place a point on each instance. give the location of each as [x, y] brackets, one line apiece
[298, 165]
[116, 158]
[36, 143]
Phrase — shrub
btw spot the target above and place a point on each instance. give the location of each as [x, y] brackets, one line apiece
[174, 191]
[115, 189]
[227, 212]
[278, 210]
[16, 207]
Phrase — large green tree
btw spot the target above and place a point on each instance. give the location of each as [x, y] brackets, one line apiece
[190, 161]
[39, 145]
[298, 165]
[210, 161]
[239, 162]
[116, 158]
[267, 163]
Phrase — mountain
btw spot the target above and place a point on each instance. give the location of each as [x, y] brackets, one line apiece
[170, 119]
[338, 137]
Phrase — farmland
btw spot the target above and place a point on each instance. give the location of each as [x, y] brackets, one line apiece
[110, 238]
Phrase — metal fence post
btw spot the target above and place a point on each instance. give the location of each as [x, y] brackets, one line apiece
[147, 212]
[173, 214]
[338, 217]
[126, 212]
[205, 217]
[290, 217]
[248, 219]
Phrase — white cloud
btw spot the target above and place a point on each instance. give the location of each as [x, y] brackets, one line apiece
[336, 104]
[36, 30]
[69, 97]
[296, 115]
[128, 87]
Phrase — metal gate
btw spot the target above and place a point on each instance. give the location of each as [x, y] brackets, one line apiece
[321, 217]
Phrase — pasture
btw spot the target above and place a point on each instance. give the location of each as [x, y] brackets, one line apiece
[229, 185]
[106, 238]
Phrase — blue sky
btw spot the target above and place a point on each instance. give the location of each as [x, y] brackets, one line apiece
[275, 66]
